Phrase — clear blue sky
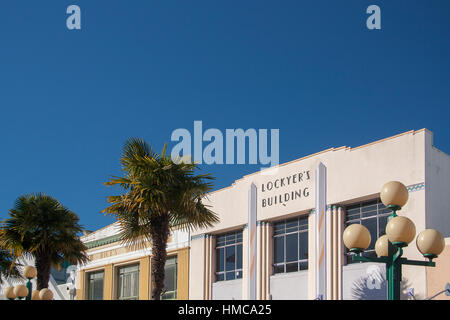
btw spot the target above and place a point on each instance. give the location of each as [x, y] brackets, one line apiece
[70, 99]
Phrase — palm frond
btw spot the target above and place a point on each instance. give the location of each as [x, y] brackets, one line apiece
[8, 266]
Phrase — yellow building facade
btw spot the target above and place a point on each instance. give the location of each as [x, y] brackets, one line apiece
[119, 272]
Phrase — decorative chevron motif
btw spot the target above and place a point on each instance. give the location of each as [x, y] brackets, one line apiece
[199, 236]
[102, 242]
[416, 187]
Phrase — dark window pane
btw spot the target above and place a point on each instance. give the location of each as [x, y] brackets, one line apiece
[170, 278]
[279, 228]
[230, 238]
[98, 290]
[304, 265]
[239, 256]
[292, 226]
[369, 213]
[382, 221]
[286, 237]
[171, 295]
[353, 210]
[292, 247]
[292, 223]
[369, 254]
[230, 275]
[371, 224]
[239, 275]
[278, 269]
[291, 267]
[369, 203]
[220, 277]
[279, 249]
[349, 258]
[303, 224]
[303, 245]
[354, 207]
[350, 217]
[128, 269]
[230, 256]
[95, 286]
[220, 241]
[220, 261]
[128, 282]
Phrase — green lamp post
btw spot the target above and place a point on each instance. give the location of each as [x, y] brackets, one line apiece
[29, 272]
[400, 231]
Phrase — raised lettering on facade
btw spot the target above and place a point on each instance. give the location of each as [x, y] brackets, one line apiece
[298, 193]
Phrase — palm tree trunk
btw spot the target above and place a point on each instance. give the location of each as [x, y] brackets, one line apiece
[43, 266]
[159, 232]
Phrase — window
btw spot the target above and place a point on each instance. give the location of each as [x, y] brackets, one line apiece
[170, 279]
[229, 256]
[128, 282]
[290, 245]
[371, 214]
[95, 285]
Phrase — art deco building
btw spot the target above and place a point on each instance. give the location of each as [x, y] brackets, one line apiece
[284, 257]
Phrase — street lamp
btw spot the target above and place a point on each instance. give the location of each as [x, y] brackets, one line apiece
[400, 231]
[26, 292]
[29, 272]
[22, 291]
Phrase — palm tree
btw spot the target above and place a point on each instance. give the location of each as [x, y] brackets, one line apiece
[8, 269]
[160, 194]
[41, 227]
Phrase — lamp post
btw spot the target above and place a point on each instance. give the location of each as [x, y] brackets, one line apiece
[400, 231]
[29, 272]
[26, 292]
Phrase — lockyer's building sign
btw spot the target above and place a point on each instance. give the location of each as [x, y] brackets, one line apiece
[289, 188]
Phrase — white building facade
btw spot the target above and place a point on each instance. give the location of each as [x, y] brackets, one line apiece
[285, 259]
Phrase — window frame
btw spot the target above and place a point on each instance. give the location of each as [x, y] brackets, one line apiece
[174, 292]
[88, 282]
[298, 231]
[238, 272]
[118, 277]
